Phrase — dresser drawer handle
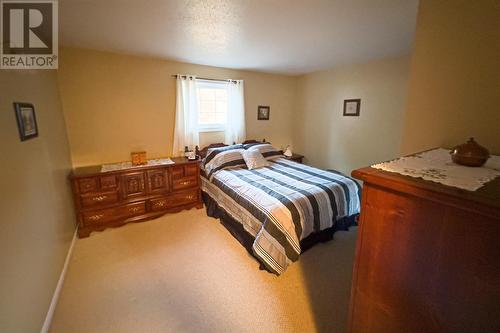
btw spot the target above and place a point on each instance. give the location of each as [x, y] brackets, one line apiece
[190, 197]
[96, 217]
[134, 209]
[186, 182]
[159, 203]
[99, 198]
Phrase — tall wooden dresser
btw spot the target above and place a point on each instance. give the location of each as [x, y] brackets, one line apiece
[110, 199]
[427, 257]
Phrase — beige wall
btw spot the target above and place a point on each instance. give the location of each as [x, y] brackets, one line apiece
[330, 140]
[37, 215]
[454, 87]
[115, 104]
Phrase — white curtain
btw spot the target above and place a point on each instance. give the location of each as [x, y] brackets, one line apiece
[186, 115]
[235, 122]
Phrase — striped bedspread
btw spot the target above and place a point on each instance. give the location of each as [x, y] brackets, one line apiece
[282, 204]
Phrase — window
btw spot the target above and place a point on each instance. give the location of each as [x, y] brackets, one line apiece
[212, 105]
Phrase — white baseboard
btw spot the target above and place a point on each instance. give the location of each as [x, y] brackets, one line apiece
[57, 291]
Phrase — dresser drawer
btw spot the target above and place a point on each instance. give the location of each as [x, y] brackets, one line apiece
[187, 182]
[98, 199]
[95, 184]
[129, 210]
[158, 204]
[177, 172]
[86, 185]
[102, 216]
[108, 182]
[192, 170]
[175, 200]
[187, 170]
[99, 216]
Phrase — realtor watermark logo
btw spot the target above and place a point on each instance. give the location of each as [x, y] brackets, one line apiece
[29, 34]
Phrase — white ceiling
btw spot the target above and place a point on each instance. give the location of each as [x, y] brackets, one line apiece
[281, 36]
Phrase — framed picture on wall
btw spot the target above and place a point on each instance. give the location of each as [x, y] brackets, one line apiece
[263, 112]
[26, 120]
[352, 107]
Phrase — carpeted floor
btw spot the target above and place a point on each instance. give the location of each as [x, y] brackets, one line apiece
[185, 273]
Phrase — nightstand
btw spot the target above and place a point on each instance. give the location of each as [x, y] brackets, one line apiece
[295, 157]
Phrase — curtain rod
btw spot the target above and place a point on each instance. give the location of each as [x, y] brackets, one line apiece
[208, 79]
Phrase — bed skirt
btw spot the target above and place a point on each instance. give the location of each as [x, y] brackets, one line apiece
[246, 239]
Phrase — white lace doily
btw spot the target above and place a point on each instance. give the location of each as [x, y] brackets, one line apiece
[128, 165]
[436, 165]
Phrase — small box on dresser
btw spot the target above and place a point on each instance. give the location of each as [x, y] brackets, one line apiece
[113, 198]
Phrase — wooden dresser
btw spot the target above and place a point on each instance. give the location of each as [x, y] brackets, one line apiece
[110, 199]
[427, 257]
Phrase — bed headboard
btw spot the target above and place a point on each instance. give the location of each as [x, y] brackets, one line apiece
[203, 152]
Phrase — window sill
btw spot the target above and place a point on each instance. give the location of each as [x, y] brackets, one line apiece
[211, 129]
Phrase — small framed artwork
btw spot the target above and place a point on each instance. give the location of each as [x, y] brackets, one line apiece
[26, 120]
[351, 107]
[263, 112]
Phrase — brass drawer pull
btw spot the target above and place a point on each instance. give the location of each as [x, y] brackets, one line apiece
[186, 182]
[100, 198]
[96, 217]
[134, 209]
[190, 197]
[159, 203]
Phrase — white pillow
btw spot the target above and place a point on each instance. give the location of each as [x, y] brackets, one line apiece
[254, 159]
[268, 151]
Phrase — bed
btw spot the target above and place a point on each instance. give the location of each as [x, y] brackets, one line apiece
[276, 211]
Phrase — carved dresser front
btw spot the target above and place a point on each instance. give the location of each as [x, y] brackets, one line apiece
[113, 198]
